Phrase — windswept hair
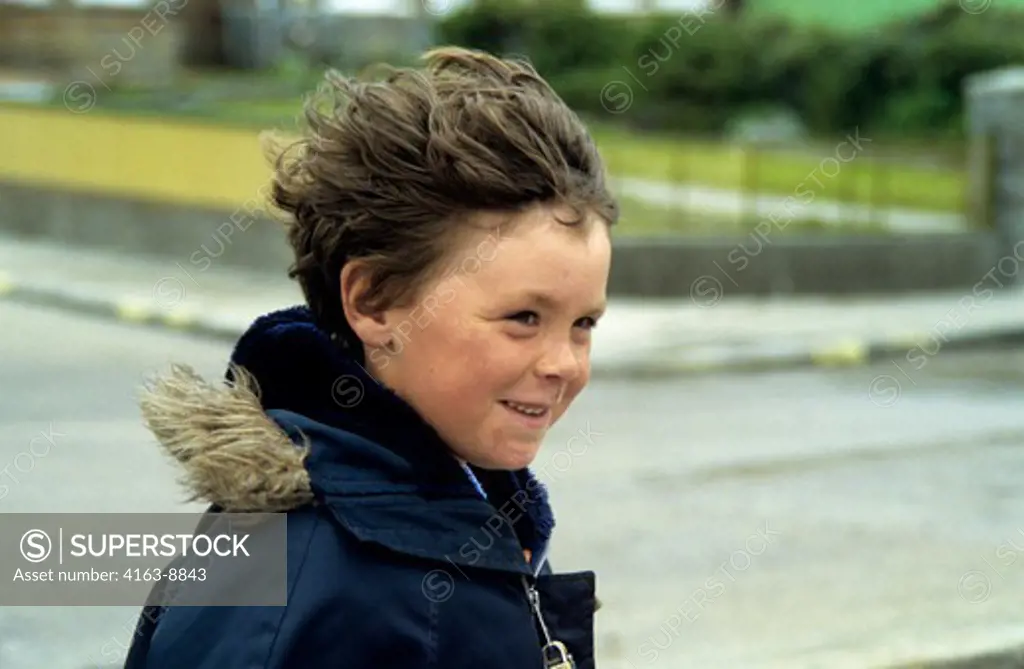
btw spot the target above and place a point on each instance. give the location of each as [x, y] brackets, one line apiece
[390, 169]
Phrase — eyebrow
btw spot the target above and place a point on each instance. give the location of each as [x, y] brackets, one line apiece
[549, 302]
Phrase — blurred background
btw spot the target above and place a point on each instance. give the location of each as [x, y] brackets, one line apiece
[808, 388]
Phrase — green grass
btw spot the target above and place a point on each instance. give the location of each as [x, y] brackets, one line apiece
[869, 178]
[856, 16]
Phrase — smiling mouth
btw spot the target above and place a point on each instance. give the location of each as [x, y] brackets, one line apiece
[527, 410]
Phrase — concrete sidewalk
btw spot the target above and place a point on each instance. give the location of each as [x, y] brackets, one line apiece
[707, 199]
[636, 337]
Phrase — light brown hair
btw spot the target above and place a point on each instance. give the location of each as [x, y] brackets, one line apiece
[391, 169]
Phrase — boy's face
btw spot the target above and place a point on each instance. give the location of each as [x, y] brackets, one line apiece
[492, 353]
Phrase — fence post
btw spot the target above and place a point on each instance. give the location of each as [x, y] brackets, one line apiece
[982, 161]
[749, 184]
[882, 173]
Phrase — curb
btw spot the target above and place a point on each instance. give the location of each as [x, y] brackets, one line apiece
[666, 363]
[1010, 658]
[673, 362]
[130, 312]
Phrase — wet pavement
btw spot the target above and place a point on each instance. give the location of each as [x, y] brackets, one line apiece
[814, 518]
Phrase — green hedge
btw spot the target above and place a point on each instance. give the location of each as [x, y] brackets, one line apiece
[692, 73]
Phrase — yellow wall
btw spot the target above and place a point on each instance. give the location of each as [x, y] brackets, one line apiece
[152, 159]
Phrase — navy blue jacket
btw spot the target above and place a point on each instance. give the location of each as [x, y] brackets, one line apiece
[394, 557]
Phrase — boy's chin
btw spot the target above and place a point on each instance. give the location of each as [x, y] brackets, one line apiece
[508, 457]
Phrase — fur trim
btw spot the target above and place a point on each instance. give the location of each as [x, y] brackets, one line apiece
[233, 454]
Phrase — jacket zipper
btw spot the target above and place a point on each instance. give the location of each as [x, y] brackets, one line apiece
[534, 598]
[554, 654]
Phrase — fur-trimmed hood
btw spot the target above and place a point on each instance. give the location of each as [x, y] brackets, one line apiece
[298, 420]
[232, 454]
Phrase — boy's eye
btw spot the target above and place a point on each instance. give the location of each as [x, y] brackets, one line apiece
[526, 317]
[531, 318]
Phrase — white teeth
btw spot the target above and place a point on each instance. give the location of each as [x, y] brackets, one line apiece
[530, 411]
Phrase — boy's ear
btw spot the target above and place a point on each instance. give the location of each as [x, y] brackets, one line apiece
[368, 324]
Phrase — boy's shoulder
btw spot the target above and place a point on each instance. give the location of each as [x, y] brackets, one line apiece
[334, 584]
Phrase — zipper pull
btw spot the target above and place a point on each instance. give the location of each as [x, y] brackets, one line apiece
[556, 655]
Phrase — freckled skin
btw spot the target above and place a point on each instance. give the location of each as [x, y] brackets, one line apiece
[484, 339]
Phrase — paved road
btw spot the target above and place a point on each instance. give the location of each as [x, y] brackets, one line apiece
[780, 520]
